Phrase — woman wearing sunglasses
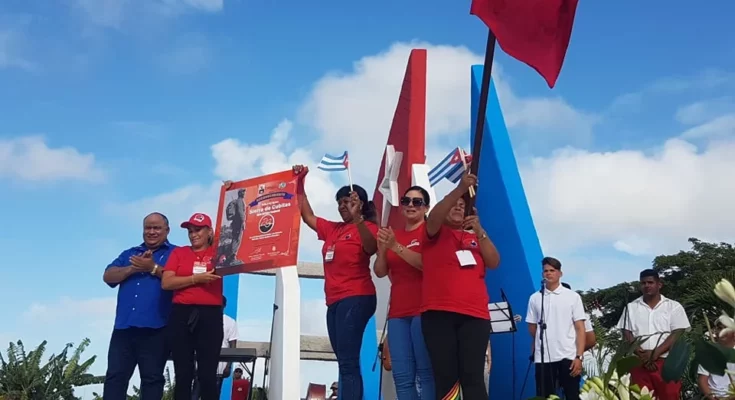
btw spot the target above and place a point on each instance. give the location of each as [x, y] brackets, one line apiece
[399, 257]
[455, 321]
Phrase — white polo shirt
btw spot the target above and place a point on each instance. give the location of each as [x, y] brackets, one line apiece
[718, 384]
[230, 330]
[562, 307]
[588, 324]
[667, 316]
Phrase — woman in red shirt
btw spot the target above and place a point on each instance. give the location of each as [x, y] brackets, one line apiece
[348, 284]
[455, 320]
[195, 323]
[399, 257]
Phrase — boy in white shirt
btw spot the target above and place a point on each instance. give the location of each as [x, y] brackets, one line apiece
[715, 387]
[562, 325]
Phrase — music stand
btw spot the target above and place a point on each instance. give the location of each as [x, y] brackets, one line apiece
[502, 321]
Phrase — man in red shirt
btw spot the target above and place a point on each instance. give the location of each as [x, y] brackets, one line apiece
[240, 386]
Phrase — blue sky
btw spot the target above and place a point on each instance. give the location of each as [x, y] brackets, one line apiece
[112, 109]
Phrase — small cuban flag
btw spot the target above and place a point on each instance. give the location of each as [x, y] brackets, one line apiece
[339, 163]
[451, 167]
[334, 163]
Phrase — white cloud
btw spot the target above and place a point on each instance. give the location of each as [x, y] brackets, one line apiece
[717, 128]
[30, 158]
[701, 111]
[634, 201]
[354, 110]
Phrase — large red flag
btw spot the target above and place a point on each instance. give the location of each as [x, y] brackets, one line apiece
[535, 32]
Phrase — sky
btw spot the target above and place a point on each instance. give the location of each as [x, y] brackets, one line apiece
[112, 109]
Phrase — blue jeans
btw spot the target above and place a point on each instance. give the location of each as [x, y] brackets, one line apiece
[144, 347]
[346, 322]
[412, 373]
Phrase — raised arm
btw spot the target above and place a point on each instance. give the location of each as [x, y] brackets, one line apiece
[307, 214]
[439, 213]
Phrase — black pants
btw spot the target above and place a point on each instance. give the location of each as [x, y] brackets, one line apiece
[144, 347]
[456, 345]
[196, 335]
[195, 392]
[552, 376]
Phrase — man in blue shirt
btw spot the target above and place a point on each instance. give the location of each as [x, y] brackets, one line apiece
[142, 312]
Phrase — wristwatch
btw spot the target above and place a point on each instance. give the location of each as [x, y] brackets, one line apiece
[155, 268]
[580, 358]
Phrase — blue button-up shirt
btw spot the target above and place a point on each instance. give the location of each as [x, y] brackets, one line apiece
[141, 302]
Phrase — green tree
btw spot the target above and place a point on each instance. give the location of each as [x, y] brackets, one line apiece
[24, 376]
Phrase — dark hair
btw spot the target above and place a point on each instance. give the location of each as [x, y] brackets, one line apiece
[424, 195]
[650, 273]
[165, 218]
[224, 301]
[368, 207]
[566, 285]
[238, 369]
[552, 262]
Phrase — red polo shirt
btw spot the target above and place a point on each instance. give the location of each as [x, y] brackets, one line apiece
[405, 289]
[447, 286]
[183, 261]
[346, 265]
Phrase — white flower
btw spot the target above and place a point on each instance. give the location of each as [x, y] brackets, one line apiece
[591, 395]
[725, 291]
[728, 322]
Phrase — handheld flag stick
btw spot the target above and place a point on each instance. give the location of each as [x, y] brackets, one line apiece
[480, 123]
[463, 156]
[349, 177]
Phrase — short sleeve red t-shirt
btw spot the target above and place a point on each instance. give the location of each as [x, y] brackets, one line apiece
[446, 285]
[240, 389]
[184, 261]
[346, 265]
[405, 289]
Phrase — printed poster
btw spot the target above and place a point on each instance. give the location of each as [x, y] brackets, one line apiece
[258, 222]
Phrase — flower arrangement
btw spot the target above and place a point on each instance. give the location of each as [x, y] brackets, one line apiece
[618, 388]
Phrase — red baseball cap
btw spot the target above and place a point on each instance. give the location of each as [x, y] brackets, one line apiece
[198, 219]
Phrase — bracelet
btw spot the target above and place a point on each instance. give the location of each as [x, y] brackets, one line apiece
[400, 249]
[483, 236]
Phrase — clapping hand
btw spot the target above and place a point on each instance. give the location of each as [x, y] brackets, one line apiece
[143, 262]
[227, 184]
[386, 239]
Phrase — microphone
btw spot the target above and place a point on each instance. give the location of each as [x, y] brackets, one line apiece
[543, 285]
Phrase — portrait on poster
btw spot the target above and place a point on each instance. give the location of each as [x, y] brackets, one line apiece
[258, 222]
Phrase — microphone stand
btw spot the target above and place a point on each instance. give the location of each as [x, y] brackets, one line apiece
[379, 354]
[542, 326]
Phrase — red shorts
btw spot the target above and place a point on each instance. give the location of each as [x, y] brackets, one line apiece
[653, 381]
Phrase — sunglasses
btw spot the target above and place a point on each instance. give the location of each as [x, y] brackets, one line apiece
[414, 201]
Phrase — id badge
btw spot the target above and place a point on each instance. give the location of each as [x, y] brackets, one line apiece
[329, 255]
[466, 259]
[199, 268]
